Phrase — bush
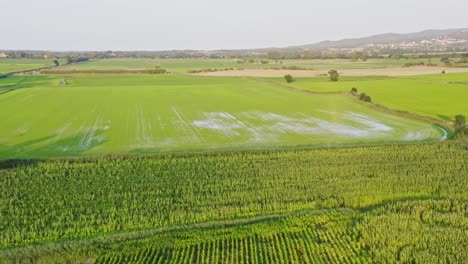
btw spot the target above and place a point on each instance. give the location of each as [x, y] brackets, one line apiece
[411, 64]
[460, 120]
[354, 90]
[289, 78]
[460, 125]
[364, 97]
[333, 75]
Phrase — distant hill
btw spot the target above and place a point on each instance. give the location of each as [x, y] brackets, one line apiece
[427, 40]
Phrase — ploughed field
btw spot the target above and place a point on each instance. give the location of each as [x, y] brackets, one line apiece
[93, 115]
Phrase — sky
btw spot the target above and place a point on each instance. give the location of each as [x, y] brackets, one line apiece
[62, 25]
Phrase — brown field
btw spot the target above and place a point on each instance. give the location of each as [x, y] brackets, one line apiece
[419, 70]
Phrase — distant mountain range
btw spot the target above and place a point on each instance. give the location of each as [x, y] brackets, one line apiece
[437, 40]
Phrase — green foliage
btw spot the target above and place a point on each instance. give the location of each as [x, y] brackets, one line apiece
[354, 90]
[333, 74]
[289, 78]
[460, 120]
[461, 129]
[396, 195]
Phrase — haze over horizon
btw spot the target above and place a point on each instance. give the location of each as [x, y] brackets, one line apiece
[212, 25]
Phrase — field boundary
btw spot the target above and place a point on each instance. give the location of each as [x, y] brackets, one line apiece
[9, 74]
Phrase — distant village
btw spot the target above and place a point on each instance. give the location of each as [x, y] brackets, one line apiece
[441, 44]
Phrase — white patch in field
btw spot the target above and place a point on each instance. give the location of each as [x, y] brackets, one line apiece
[327, 112]
[411, 136]
[144, 127]
[268, 126]
[62, 129]
[342, 130]
[22, 130]
[220, 121]
[276, 117]
[87, 138]
[373, 124]
[100, 139]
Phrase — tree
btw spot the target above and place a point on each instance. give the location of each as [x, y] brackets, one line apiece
[354, 90]
[333, 75]
[446, 61]
[460, 125]
[289, 78]
[364, 97]
[56, 62]
[460, 120]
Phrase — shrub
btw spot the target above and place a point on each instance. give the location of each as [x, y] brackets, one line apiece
[354, 90]
[460, 125]
[333, 75]
[289, 78]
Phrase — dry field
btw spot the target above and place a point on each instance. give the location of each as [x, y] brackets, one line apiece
[407, 71]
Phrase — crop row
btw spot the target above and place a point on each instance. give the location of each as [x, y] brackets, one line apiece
[390, 233]
[59, 200]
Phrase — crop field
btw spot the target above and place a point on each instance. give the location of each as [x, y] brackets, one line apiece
[146, 113]
[179, 168]
[13, 65]
[441, 96]
[367, 204]
[185, 65]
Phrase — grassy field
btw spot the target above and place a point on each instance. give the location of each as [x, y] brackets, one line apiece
[440, 96]
[147, 113]
[13, 65]
[380, 204]
[185, 65]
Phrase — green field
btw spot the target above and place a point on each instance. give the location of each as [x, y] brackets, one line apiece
[13, 65]
[440, 96]
[173, 168]
[380, 204]
[147, 113]
[185, 65]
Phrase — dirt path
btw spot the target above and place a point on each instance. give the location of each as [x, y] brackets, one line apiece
[409, 71]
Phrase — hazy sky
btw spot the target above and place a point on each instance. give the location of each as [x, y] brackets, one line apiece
[212, 24]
